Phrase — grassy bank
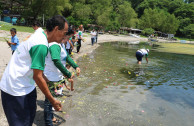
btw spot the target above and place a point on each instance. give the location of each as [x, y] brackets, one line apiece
[178, 48]
[7, 26]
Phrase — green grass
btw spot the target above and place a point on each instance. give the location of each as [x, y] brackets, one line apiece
[7, 26]
[187, 39]
[178, 48]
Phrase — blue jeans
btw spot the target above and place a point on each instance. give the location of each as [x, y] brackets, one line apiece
[92, 39]
[19, 110]
[48, 113]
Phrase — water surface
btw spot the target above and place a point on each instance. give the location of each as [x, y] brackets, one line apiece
[114, 91]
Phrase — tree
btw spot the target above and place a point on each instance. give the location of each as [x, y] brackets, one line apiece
[189, 31]
[161, 4]
[82, 13]
[159, 20]
[185, 14]
[189, 1]
[148, 31]
[127, 16]
[135, 3]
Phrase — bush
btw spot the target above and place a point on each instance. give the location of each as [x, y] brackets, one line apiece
[148, 31]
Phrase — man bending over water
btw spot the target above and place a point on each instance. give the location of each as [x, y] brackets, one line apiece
[140, 53]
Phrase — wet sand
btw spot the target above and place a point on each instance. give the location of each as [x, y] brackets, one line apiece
[5, 54]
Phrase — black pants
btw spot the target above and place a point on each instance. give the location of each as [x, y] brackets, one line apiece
[139, 56]
[19, 110]
[68, 51]
[96, 38]
[13, 51]
[78, 45]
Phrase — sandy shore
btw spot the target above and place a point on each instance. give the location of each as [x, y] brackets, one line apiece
[5, 54]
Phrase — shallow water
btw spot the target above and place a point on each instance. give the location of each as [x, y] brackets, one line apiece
[114, 91]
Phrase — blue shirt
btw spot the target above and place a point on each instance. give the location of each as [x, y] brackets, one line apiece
[14, 40]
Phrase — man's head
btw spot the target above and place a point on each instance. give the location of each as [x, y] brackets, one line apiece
[148, 50]
[70, 33]
[13, 32]
[35, 25]
[57, 26]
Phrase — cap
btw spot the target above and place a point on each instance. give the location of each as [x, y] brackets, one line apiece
[148, 50]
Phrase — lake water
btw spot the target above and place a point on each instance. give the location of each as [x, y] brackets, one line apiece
[113, 90]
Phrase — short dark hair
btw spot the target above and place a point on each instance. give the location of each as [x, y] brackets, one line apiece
[71, 30]
[13, 30]
[36, 23]
[57, 20]
[73, 37]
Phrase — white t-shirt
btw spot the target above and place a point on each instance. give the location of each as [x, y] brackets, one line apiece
[93, 34]
[68, 46]
[39, 30]
[51, 71]
[80, 34]
[17, 79]
[143, 51]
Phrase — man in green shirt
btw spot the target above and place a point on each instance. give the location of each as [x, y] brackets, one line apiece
[26, 68]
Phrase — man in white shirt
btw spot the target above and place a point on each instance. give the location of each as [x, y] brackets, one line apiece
[18, 91]
[93, 36]
[140, 53]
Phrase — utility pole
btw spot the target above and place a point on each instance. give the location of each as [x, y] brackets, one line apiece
[43, 20]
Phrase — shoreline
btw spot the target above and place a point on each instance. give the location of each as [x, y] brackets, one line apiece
[5, 54]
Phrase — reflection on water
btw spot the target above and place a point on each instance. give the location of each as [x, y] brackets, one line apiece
[114, 90]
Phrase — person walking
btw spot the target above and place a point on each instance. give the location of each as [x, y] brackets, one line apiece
[18, 91]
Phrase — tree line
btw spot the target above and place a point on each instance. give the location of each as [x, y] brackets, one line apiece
[167, 16]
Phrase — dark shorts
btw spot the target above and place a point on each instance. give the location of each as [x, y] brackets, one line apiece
[19, 110]
[139, 56]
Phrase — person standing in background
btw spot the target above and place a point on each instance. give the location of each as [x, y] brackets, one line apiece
[35, 25]
[96, 36]
[14, 40]
[93, 36]
[80, 38]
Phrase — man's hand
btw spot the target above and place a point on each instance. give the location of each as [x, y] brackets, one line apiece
[57, 105]
[40, 81]
[78, 71]
[70, 80]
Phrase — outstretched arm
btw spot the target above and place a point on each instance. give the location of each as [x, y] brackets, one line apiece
[73, 64]
[71, 44]
[146, 58]
[55, 51]
[38, 77]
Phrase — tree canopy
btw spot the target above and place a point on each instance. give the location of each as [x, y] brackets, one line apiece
[168, 16]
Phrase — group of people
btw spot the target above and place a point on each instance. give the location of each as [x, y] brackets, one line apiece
[41, 60]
